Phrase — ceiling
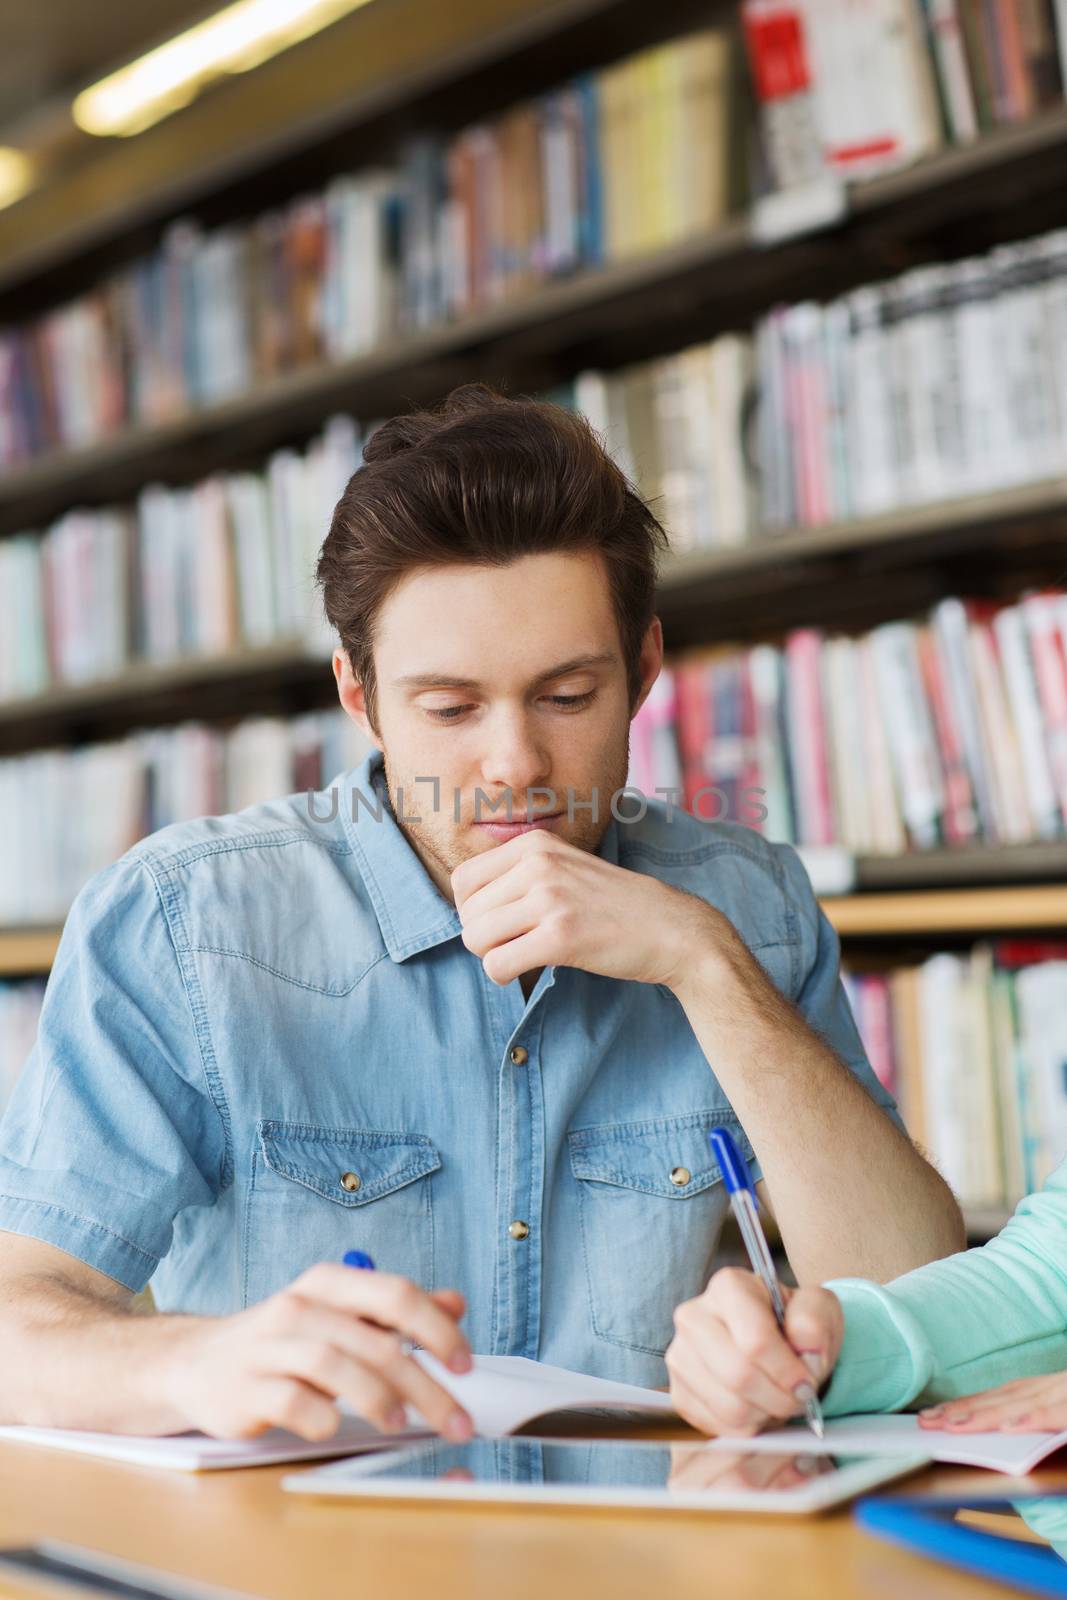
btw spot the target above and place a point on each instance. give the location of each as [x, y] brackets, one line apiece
[53, 47]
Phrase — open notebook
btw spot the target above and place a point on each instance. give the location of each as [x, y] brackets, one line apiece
[1017, 1453]
[501, 1394]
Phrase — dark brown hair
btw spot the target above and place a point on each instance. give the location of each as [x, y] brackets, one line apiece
[484, 479]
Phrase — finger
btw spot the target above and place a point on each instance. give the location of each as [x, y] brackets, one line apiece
[372, 1373]
[450, 1301]
[289, 1403]
[487, 930]
[813, 1324]
[714, 1357]
[482, 868]
[430, 1399]
[715, 1409]
[534, 949]
[1037, 1419]
[392, 1301]
[693, 1407]
[744, 1308]
[512, 884]
[735, 1376]
[987, 1402]
[334, 1373]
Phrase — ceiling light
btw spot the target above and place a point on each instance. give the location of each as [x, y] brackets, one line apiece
[169, 77]
[16, 175]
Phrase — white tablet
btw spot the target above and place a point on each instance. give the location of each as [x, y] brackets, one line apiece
[673, 1477]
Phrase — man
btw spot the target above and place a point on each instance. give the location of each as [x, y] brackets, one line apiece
[484, 1051]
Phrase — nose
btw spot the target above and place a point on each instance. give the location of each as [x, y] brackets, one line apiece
[514, 758]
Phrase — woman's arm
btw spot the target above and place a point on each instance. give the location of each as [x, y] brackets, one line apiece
[966, 1323]
[946, 1329]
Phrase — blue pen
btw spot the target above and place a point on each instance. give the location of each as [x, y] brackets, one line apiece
[735, 1175]
[360, 1258]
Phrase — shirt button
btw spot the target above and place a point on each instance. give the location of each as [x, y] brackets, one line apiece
[519, 1230]
[519, 1055]
[680, 1176]
[351, 1181]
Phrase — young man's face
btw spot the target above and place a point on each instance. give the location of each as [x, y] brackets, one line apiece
[501, 679]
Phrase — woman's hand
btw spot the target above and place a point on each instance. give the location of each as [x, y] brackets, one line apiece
[1029, 1405]
[732, 1370]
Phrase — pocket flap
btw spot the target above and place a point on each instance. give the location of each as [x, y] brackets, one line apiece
[350, 1166]
[643, 1155]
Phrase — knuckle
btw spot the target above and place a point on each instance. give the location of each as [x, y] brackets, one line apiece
[386, 1348]
[405, 1298]
[290, 1406]
[286, 1310]
[737, 1415]
[686, 1316]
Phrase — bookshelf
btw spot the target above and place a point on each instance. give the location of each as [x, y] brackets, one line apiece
[627, 310]
[783, 579]
[352, 95]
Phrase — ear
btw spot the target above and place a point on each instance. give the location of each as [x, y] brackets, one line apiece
[650, 662]
[351, 695]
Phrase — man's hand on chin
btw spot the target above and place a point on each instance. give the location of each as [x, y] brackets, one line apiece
[539, 901]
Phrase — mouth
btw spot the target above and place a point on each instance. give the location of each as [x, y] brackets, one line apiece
[510, 830]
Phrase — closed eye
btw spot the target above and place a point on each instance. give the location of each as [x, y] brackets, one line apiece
[571, 702]
[565, 702]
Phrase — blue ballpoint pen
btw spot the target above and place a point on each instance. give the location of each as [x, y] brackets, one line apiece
[360, 1258]
[736, 1177]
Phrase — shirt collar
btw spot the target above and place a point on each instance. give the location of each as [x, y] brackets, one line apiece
[412, 912]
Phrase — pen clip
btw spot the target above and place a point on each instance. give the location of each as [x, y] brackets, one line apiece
[732, 1164]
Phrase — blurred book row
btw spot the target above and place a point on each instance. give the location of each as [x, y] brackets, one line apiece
[854, 88]
[869, 403]
[947, 381]
[649, 150]
[974, 1047]
[950, 380]
[225, 564]
[65, 814]
[912, 736]
[628, 159]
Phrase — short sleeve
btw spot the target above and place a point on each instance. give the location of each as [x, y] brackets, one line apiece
[111, 1130]
[820, 994]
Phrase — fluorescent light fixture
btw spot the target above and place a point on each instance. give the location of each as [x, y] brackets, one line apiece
[16, 175]
[169, 77]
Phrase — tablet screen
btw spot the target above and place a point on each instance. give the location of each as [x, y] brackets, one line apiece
[684, 1476]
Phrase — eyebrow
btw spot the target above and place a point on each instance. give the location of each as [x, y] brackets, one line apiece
[443, 680]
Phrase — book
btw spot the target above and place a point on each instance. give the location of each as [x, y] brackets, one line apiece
[501, 1394]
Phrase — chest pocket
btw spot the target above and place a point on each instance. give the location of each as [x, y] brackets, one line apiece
[651, 1205]
[317, 1192]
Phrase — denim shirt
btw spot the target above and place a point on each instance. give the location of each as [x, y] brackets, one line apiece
[264, 1042]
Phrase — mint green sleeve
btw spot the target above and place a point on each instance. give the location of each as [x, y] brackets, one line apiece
[970, 1322]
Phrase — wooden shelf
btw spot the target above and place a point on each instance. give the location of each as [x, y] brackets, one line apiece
[279, 679]
[27, 952]
[949, 911]
[971, 911]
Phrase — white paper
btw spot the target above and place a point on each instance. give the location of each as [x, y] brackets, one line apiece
[1015, 1453]
[501, 1393]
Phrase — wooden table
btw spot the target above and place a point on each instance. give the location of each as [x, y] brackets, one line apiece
[240, 1531]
